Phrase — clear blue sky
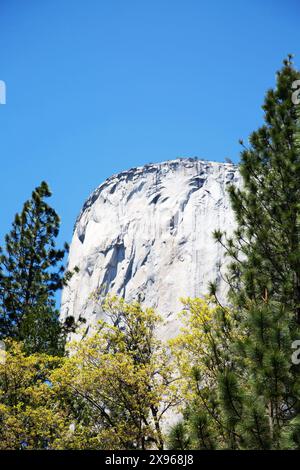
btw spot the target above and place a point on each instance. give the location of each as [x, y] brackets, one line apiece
[97, 86]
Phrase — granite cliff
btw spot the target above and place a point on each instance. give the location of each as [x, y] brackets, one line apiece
[146, 234]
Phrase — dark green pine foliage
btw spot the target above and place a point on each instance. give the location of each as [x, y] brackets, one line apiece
[200, 432]
[31, 272]
[265, 249]
[259, 391]
[178, 438]
[264, 279]
[270, 382]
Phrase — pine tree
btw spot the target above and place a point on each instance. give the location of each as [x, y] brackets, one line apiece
[252, 391]
[31, 272]
[265, 248]
[264, 278]
[178, 437]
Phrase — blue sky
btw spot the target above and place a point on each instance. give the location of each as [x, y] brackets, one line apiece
[97, 86]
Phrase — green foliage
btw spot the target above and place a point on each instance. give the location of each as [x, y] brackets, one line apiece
[206, 364]
[201, 432]
[30, 417]
[31, 272]
[42, 331]
[112, 392]
[178, 437]
[118, 384]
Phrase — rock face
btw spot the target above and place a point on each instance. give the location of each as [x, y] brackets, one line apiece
[146, 234]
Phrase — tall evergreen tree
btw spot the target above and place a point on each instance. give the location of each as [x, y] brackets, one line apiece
[265, 248]
[264, 275]
[252, 391]
[31, 272]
